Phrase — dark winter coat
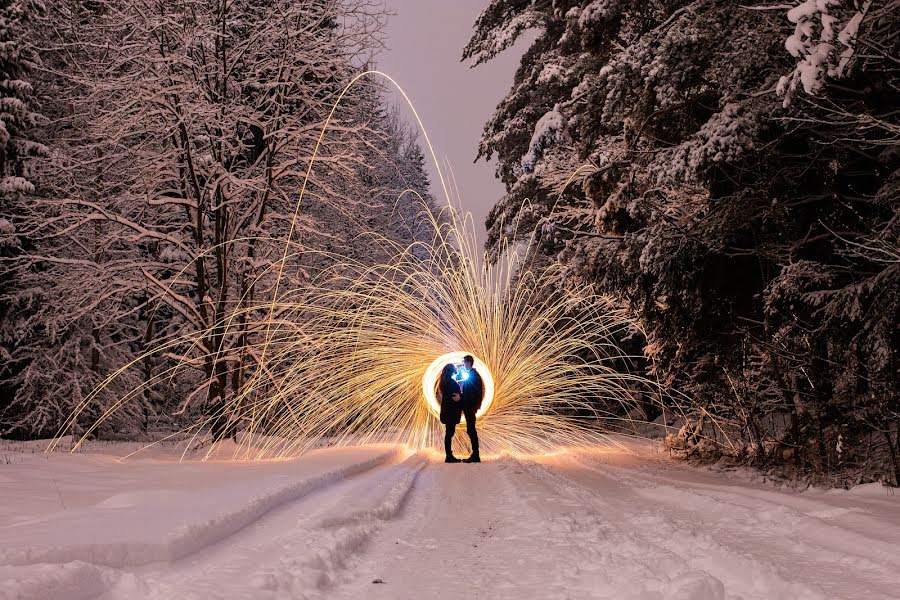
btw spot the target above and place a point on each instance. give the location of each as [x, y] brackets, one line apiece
[451, 412]
[473, 391]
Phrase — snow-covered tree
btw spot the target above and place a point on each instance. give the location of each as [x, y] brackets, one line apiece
[18, 150]
[646, 147]
[847, 305]
[17, 113]
[391, 163]
[182, 136]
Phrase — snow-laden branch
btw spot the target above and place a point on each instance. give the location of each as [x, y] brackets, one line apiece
[824, 41]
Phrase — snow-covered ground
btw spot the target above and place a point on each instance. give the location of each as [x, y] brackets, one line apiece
[384, 522]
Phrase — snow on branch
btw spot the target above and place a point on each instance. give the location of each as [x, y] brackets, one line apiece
[824, 41]
[489, 40]
[547, 131]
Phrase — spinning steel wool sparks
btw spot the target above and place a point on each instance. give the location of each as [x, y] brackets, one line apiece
[354, 357]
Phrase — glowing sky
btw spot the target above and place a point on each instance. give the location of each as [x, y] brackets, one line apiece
[425, 41]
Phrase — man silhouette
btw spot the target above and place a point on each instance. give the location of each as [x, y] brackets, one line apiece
[472, 396]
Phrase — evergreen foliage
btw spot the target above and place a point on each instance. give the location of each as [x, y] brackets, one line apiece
[18, 150]
[730, 171]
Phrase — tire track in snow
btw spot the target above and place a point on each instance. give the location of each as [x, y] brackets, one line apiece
[751, 562]
[189, 538]
[299, 554]
[794, 531]
[473, 531]
[89, 570]
[337, 540]
[645, 553]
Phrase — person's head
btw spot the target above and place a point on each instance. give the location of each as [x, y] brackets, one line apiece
[468, 361]
[448, 372]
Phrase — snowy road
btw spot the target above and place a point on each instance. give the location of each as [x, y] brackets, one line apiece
[380, 522]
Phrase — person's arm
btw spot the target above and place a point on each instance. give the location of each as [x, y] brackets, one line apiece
[451, 390]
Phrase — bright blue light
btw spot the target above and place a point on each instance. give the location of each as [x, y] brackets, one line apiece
[462, 375]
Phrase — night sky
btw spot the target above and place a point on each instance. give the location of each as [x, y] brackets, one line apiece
[425, 42]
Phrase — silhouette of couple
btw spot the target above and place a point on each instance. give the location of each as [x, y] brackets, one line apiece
[461, 392]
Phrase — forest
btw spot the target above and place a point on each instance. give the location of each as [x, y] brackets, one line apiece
[152, 154]
[731, 173]
[728, 173]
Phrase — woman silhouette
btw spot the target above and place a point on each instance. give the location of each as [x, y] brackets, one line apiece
[451, 408]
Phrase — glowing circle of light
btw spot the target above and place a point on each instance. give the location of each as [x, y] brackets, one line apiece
[434, 370]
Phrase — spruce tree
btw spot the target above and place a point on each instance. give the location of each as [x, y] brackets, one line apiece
[18, 149]
[17, 115]
[647, 147]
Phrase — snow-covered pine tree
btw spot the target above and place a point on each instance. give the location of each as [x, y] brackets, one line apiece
[647, 146]
[391, 163]
[17, 113]
[399, 183]
[845, 88]
[18, 148]
[412, 174]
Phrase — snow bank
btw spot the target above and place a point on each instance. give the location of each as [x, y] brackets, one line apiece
[137, 528]
[73, 581]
